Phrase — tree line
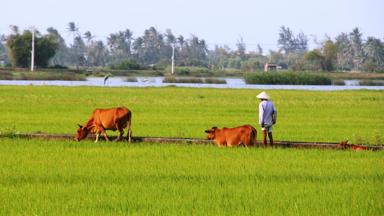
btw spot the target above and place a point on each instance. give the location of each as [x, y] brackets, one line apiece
[347, 51]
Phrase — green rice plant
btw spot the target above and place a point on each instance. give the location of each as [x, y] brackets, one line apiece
[39, 177]
[323, 116]
[71, 178]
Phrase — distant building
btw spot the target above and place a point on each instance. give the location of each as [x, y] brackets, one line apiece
[270, 67]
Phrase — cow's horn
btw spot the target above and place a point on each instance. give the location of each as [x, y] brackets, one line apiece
[79, 126]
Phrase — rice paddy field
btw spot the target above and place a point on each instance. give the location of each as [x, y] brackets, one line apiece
[41, 177]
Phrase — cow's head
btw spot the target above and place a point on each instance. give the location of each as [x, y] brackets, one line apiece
[82, 132]
[343, 144]
[211, 133]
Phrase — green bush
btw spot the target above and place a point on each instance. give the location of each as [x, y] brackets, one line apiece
[19, 46]
[287, 78]
[48, 76]
[4, 75]
[372, 82]
[338, 82]
[215, 81]
[128, 64]
[171, 79]
[195, 71]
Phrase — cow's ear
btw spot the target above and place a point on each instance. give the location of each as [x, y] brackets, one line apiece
[214, 128]
[80, 126]
[207, 131]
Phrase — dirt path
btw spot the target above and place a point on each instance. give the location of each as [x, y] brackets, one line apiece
[283, 144]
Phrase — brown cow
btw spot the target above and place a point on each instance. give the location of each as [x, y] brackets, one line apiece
[107, 119]
[344, 145]
[243, 135]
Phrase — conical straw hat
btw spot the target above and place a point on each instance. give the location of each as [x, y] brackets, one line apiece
[263, 95]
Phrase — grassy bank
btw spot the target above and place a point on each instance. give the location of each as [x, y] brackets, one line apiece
[69, 178]
[354, 75]
[40, 75]
[288, 78]
[197, 75]
[172, 79]
[187, 112]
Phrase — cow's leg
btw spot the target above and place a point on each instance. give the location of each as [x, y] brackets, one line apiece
[246, 143]
[121, 132]
[129, 134]
[218, 143]
[97, 137]
[102, 131]
[105, 136]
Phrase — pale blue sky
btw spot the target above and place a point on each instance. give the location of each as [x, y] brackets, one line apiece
[218, 22]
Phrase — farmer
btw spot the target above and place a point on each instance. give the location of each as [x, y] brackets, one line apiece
[267, 117]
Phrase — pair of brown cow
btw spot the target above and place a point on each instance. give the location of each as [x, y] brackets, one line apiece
[120, 118]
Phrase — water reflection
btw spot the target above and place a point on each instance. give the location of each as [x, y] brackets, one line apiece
[351, 82]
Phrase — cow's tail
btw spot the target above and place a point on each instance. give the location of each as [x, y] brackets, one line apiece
[253, 136]
[129, 135]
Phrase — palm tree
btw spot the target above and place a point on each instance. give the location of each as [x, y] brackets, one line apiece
[88, 36]
[120, 45]
[78, 46]
[62, 53]
[73, 29]
[97, 53]
[14, 29]
[374, 50]
[357, 47]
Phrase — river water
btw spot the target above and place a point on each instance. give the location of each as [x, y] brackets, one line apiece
[236, 83]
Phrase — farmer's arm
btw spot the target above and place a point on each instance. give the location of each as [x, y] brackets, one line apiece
[274, 116]
[261, 115]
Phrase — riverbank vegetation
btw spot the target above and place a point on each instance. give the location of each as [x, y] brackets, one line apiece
[41, 75]
[288, 78]
[172, 79]
[198, 75]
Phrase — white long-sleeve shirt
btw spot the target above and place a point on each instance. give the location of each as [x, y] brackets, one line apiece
[267, 113]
